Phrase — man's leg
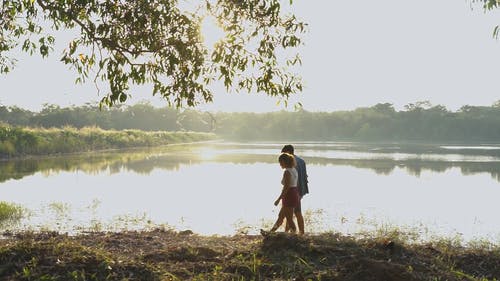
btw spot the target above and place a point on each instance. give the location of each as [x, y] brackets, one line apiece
[288, 224]
[289, 220]
[300, 219]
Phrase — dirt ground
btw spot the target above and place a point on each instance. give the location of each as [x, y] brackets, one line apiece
[170, 255]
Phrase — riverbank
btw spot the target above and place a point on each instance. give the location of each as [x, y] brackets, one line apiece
[18, 142]
[162, 254]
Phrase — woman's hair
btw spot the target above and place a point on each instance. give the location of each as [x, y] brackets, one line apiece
[287, 159]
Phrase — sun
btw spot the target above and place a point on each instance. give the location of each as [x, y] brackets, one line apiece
[211, 31]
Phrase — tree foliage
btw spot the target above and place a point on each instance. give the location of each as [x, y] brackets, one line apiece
[418, 122]
[489, 5]
[159, 43]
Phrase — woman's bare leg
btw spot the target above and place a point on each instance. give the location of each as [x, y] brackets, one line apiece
[279, 221]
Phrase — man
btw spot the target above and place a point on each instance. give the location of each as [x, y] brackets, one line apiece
[302, 185]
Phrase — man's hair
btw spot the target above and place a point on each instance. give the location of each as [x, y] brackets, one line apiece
[287, 148]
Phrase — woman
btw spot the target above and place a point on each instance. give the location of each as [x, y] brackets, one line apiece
[289, 196]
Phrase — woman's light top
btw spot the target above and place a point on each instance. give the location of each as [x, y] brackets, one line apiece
[293, 179]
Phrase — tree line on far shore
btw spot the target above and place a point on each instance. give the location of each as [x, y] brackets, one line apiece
[418, 122]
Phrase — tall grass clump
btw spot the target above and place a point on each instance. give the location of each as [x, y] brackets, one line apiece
[10, 212]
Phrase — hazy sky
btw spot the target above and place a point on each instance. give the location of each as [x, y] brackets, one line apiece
[357, 53]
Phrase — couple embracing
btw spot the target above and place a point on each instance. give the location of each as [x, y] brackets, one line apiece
[295, 186]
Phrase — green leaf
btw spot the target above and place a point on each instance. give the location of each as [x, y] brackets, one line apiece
[123, 98]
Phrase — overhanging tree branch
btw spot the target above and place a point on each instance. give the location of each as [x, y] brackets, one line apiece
[158, 43]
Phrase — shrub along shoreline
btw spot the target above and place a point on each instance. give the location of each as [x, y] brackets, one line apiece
[19, 141]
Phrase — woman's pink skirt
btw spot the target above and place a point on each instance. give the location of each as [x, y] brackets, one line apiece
[291, 198]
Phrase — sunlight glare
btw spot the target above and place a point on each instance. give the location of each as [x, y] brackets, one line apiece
[211, 32]
[208, 154]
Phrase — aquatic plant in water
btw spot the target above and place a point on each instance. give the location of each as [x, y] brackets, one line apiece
[10, 213]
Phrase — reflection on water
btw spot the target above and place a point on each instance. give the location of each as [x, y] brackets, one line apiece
[376, 158]
[224, 187]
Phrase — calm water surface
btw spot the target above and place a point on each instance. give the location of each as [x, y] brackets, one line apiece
[224, 188]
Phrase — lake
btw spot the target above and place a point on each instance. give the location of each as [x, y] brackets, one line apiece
[227, 188]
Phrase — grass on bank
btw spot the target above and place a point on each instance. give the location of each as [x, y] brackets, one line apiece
[163, 254]
[18, 141]
[387, 253]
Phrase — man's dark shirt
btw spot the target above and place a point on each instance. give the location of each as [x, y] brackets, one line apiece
[302, 171]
